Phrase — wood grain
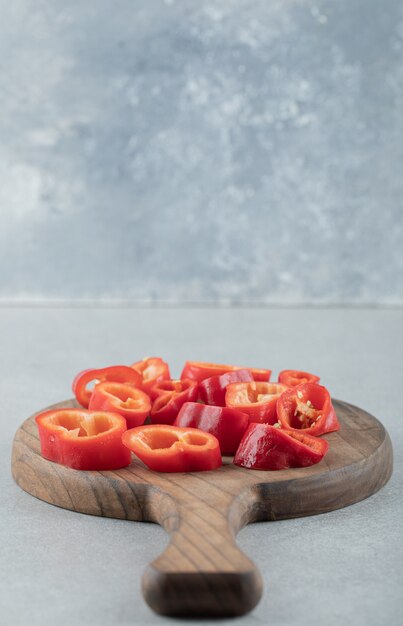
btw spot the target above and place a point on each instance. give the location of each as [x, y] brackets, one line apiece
[202, 572]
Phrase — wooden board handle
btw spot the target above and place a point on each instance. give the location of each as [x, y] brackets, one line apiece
[202, 572]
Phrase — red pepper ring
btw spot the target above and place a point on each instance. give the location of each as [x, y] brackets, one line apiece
[199, 371]
[212, 390]
[131, 403]
[152, 370]
[257, 399]
[83, 440]
[167, 406]
[292, 378]
[166, 448]
[115, 373]
[171, 385]
[308, 406]
[228, 425]
[264, 447]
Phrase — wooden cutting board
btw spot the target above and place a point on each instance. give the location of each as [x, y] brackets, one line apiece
[202, 571]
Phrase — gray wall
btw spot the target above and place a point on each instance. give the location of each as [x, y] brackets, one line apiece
[243, 150]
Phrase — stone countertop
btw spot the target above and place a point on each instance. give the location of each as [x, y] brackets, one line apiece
[57, 566]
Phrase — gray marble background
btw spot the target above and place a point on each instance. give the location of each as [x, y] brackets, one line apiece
[217, 151]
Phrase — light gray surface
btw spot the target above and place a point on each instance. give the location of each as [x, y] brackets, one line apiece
[247, 150]
[60, 567]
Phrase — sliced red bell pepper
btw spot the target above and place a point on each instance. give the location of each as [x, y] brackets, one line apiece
[167, 406]
[307, 406]
[292, 378]
[133, 404]
[200, 371]
[171, 385]
[228, 425]
[83, 440]
[257, 399]
[264, 447]
[166, 448]
[115, 373]
[212, 390]
[152, 370]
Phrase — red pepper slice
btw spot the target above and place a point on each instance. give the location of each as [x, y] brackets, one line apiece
[131, 403]
[171, 385]
[307, 406]
[292, 378]
[228, 425]
[166, 448]
[115, 373]
[264, 447]
[152, 370]
[257, 399]
[83, 440]
[199, 371]
[167, 406]
[212, 390]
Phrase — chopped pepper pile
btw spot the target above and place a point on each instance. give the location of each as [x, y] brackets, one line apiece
[187, 424]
